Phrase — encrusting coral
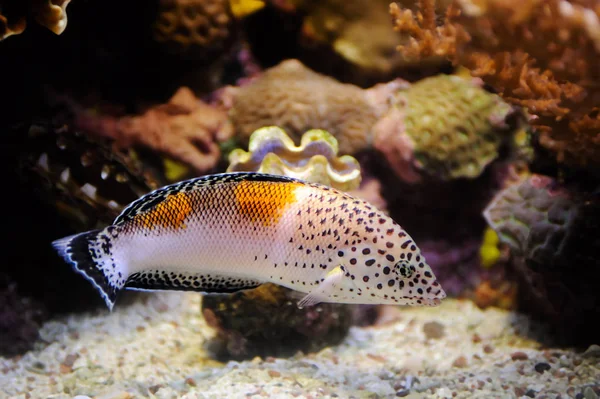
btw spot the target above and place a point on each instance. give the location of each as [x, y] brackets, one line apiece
[50, 13]
[454, 133]
[193, 29]
[297, 99]
[552, 231]
[185, 129]
[541, 55]
[316, 158]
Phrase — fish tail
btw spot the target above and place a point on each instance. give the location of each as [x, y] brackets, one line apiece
[90, 254]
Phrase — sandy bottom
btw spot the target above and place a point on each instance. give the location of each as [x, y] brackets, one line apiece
[157, 348]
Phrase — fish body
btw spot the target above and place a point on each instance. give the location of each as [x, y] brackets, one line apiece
[234, 231]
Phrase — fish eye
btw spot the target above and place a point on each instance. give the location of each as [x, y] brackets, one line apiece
[403, 268]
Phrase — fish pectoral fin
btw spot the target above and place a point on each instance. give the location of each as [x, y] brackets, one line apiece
[325, 289]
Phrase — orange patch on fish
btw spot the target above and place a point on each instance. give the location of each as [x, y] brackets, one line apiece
[170, 213]
[264, 202]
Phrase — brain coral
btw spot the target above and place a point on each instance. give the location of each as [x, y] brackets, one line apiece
[193, 29]
[315, 160]
[444, 126]
[553, 234]
[297, 99]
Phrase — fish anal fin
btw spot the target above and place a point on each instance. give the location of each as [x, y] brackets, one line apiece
[325, 289]
[161, 280]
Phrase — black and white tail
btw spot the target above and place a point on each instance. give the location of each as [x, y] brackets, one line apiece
[90, 254]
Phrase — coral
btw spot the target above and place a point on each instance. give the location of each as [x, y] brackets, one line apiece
[266, 322]
[539, 55]
[84, 180]
[50, 13]
[243, 333]
[453, 134]
[489, 251]
[242, 8]
[272, 151]
[297, 99]
[185, 129]
[552, 231]
[358, 30]
[193, 29]
[20, 319]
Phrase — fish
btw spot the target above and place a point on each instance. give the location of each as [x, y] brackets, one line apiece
[229, 232]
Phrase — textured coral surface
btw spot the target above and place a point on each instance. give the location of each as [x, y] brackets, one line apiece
[266, 321]
[553, 232]
[444, 126]
[184, 128]
[193, 29]
[542, 55]
[297, 99]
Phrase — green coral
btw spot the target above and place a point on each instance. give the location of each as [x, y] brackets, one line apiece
[455, 125]
[316, 159]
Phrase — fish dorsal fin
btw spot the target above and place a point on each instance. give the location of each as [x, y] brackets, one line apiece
[152, 199]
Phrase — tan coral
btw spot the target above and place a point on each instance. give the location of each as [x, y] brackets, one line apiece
[316, 158]
[542, 55]
[297, 99]
[193, 29]
[185, 129]
[50, 13]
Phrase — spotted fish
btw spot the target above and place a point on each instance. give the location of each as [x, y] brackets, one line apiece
[234, 231]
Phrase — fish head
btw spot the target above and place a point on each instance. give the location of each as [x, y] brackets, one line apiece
[390, 269]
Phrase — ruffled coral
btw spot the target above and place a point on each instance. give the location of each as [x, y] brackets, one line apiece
[543, 56]
[316, 159]
[50, 13]
[444, 126]
[193, 29]
[184, 128]
[297, 99]
[552, 231]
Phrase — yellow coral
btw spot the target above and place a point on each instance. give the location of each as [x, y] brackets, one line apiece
[315, 159]
[243, 8]
[489, 253]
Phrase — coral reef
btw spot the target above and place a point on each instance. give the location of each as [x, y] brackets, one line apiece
[297, 99]
[193, 29]
[542, 56]
[185, 129]
[453, 134]
[316, 158]
[358, 30]
[552, 231]
[85, 180]
[50, 13]
[20, 319]
[266, 321]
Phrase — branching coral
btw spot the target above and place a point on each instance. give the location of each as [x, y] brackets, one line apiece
[50, 13]
[542, 55]
[194, 29]
[185, 129]
[316, 159]
[297, 99]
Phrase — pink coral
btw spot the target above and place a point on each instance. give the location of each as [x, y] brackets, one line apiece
[184, 128]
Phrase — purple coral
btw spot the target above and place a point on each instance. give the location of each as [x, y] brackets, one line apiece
[553, 231]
